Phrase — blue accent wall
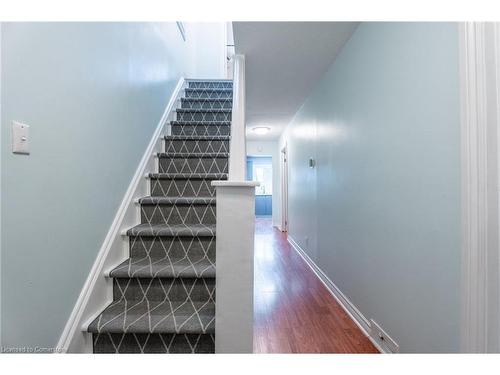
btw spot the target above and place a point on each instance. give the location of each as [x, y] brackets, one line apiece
[249, 169]
[263, 203]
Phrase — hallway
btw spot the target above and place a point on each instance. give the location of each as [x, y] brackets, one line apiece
[294, 312]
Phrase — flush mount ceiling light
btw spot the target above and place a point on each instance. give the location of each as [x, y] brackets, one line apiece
[261, 130]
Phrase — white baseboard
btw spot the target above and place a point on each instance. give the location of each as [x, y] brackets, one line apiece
[97, 290]
[361, 321]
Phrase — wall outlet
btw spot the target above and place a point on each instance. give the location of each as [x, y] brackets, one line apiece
[386, 343]
[306, 238]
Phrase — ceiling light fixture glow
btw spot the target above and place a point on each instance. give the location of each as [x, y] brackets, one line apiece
[261, 130]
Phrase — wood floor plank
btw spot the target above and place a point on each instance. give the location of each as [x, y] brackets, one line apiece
[294, 312]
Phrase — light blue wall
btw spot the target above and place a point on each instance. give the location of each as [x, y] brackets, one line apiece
[93, 94]
[383, 125]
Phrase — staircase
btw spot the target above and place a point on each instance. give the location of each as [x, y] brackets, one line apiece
[164, 293]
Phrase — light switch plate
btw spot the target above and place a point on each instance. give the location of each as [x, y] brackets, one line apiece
[20, 138]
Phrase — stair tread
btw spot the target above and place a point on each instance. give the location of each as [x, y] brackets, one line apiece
[176, 200]
[199, 122]
[210, 80]
[205, 99]
[173, 230]
[225, 89]
[148, 267]
[193, 154]
[208, 176]
[146, 316]
[197, 137]
[202, 110]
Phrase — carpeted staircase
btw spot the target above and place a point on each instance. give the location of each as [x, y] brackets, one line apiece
[164, 294]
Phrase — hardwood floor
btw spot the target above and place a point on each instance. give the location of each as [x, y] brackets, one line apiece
[294, 312]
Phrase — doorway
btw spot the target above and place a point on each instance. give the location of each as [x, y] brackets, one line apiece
[260, 168]
[284, 188]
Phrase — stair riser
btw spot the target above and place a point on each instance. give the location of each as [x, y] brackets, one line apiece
[204, 116]
[178, 214]
[193, 248]
[201, 94]
[178, 289]
[210, 85]
[114, 343]
[200, 130]
[207, 104]
[182, 188]
[196, 146]
[193, 165]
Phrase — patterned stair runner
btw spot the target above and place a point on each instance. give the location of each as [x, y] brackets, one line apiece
[164, 293]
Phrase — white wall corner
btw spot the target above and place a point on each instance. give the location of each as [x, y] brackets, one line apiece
[478, 48]
[96, 293]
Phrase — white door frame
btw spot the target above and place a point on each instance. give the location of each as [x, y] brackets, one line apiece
[1, 26]
[479, 101]
[284, 188]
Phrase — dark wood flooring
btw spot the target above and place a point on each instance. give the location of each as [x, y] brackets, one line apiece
[294, 312]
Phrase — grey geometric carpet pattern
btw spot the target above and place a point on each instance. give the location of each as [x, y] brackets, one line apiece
[164, 293]
[153, 343]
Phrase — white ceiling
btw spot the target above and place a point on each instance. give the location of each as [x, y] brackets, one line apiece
[283, 62]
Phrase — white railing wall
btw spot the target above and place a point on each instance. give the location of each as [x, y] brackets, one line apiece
[237, 160]
[235, 236]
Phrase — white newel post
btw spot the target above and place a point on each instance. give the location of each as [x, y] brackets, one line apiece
[237, 146]
[234, 262]
[235, 236]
